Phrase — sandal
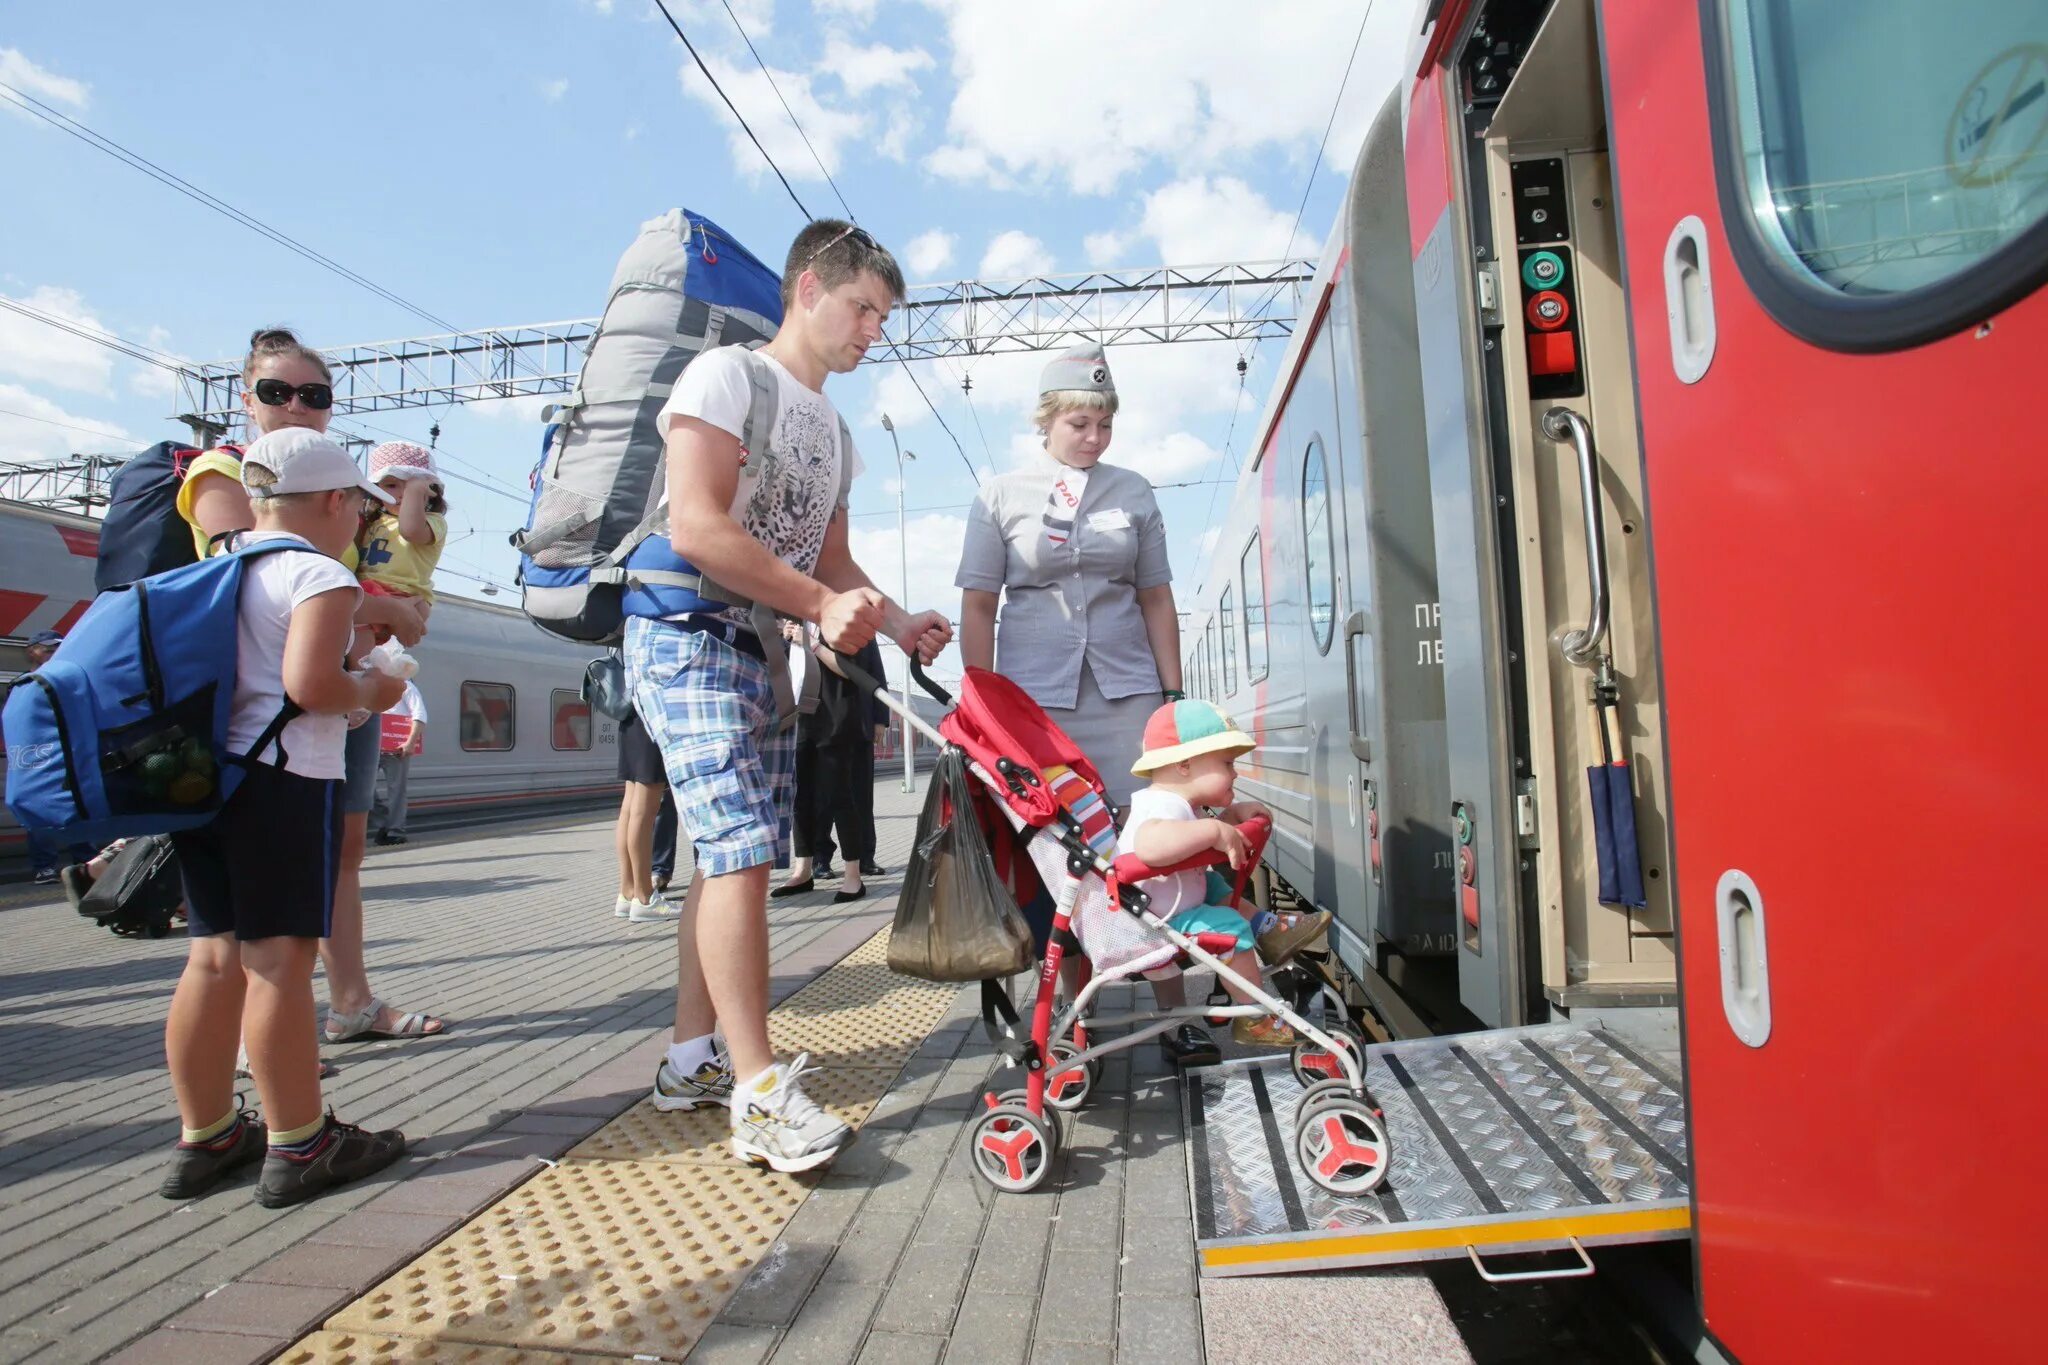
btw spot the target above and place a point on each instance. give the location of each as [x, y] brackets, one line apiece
[362, 1025]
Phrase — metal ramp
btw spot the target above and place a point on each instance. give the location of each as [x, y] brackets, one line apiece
[1514, 1140]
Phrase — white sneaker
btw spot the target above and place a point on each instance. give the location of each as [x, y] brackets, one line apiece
[646, 912]
[774, 1122]
[624, 908]
[676, 1093]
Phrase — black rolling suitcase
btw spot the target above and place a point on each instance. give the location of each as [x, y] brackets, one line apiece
[140, 892]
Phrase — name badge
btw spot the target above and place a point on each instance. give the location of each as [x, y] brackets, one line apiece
[1113, 519]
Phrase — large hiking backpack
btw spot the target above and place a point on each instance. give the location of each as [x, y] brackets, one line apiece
[142, 533]
[124, 730]
[683, 287]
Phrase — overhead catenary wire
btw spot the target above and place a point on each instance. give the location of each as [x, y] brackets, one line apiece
[51, 422]
[58, 119]
[794, 121]
[134, 350]
[663, 7]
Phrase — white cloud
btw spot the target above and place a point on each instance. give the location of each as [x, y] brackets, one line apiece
[874, 67]
[154, 381]
[1203, 221]
[896, 396]
[42, 354]
[601, 6]
[1012, 254]
[903, 125]
[512, 409]
[749, 88]
[24, 75]
[858, 11]
[1049, 92]
[1107, 248]
[44, 431]
[552, 91]
[928, 253]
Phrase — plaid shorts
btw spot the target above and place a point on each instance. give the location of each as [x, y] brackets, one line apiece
[711, 709]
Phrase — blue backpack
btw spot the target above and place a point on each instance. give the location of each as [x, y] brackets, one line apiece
[124, 731]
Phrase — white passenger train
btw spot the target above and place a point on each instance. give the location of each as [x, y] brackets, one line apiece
[507, 727]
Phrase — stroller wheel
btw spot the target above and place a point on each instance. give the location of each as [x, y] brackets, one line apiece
[1013, 1148]
[1312, 1063]
[1342, 1144]
[1067, 1087]
[1022, 1100]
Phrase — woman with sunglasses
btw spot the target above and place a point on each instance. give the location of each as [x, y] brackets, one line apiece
[286, 383]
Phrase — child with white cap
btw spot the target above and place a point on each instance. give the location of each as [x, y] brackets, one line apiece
[405, 541]
[1190, 754]
[259, 879]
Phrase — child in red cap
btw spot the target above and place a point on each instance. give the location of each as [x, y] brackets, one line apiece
[1191, 751]
[405, 541]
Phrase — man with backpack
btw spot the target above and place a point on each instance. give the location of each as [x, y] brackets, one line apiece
[764, 522]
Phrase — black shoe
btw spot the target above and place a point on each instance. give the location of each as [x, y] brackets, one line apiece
[843, 896]
[46, 876]
[343, 1153]
[1189, 1046]
[870, 868]
[826, 873]
[794, 888]
[391, 836]
[197, 1166]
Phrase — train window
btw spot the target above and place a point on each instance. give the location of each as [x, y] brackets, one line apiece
[1319, 556]
[1229, 633]
[1209, 673]
[570, 720]
[1875, 224]
[1251, 574]
[489, 716]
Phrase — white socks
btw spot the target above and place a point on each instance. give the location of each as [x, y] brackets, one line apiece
[688, 1057]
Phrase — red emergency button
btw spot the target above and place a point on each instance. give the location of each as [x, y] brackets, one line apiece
[1553, 353]
[1548, 311]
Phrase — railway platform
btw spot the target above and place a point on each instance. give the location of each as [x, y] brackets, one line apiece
[546, 1212]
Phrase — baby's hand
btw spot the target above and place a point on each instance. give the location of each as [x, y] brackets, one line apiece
[1231, 844]
[1242, 811]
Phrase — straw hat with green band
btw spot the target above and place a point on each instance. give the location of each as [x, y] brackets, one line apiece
[1184, 729]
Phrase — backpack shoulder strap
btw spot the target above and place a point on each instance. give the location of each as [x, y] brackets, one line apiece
[845, 463]
[766, 402]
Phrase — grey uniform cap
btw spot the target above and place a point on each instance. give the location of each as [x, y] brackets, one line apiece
[1079, 368]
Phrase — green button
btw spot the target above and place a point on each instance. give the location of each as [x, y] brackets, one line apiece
[1543, 270]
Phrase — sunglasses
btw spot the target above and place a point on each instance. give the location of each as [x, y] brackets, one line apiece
[276, 393]
[858, 234]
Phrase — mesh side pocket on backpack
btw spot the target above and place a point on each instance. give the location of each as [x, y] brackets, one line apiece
[164, 763]
[565, 526]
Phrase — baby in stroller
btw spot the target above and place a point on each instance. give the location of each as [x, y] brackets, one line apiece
[1190, 755]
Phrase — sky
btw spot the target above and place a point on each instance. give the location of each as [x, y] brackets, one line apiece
[488, 162]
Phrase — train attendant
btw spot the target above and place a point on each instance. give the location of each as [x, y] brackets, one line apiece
[286, 383]
[1070, 553]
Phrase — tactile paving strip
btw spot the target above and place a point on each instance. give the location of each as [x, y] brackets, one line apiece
[860, 1015]
[611, 1257]
[632, 1244]
[704, 1136]
[362, 1348]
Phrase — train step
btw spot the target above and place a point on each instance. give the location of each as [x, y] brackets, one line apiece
[1517, 1140]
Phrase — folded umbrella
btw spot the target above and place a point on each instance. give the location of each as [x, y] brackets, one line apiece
[1614, 815]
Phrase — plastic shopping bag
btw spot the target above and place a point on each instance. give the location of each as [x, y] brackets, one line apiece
[955, 920]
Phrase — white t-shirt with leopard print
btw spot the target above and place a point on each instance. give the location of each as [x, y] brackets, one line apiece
[787, 493]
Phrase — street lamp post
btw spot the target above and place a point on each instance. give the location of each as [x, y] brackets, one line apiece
[903, 549]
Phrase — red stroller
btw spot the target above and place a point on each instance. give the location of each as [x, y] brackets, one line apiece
[1039, 785]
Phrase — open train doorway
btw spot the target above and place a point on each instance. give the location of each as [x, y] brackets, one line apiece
[1554, 713]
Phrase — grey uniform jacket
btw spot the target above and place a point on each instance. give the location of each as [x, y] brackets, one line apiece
[1067, 603]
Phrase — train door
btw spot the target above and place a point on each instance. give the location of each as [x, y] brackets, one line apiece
[1835, 234]
[1554, 703]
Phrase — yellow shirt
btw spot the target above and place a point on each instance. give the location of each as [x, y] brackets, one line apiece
[229, 466]
[392, 560]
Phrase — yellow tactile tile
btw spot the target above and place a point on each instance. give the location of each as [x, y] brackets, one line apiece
[362, 1348]
[859, 1015]
[611, 1257]
[704, 1136]
[875, 952]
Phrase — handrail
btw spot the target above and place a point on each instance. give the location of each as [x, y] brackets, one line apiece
[1582, 647]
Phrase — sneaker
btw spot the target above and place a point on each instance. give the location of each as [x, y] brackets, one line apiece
[1265, 1032]
[1189, 1046]
[197, 1166]
[647, 912]
[1293, 933]
[46, 876]
[343, 1153]
[675, 1093]
[776, 1123]
[623, 909]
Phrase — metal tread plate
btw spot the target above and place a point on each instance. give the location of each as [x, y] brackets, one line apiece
[1509, 1140]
